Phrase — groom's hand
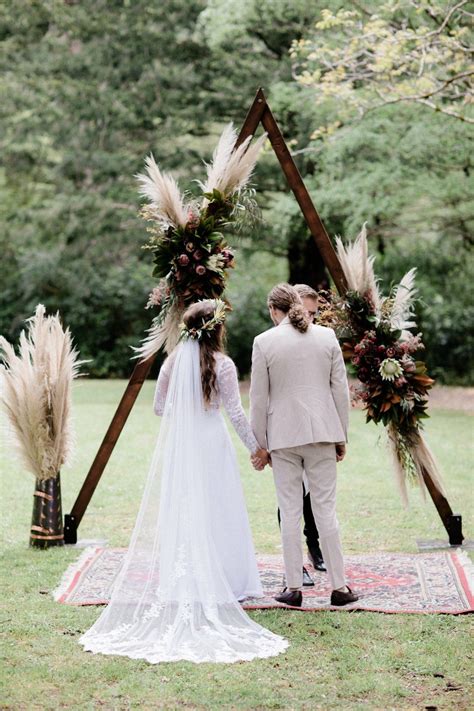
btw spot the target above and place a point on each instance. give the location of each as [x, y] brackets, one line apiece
[340, 452]
[259, 459]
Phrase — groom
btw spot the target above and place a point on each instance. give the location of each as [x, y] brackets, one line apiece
[299, 410]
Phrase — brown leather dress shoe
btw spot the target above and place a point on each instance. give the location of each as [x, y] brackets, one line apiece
[339, 598]
[290, 597]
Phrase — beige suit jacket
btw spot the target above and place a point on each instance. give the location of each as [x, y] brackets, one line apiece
[299, 392]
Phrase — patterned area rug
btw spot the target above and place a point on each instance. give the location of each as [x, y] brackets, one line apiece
[385, 582]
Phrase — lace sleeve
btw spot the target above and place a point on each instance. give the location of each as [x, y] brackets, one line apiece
[230, 396]
[161, 390]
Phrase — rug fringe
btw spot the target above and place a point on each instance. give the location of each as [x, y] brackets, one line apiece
[467, 565]
[72, 570]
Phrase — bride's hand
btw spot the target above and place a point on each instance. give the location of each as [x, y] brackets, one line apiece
[259, 459]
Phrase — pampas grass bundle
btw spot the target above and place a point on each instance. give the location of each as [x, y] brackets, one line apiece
[36, 394]
[402, 308]
[161, 335]
[230, 170]
[414, 457]
[358, 267]
[164, 195]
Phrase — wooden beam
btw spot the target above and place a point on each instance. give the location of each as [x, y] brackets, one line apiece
[295, 181]
[119, 419]
[452, 522]
[253, 118]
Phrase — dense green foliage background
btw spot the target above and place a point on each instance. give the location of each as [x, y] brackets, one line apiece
[88, 89]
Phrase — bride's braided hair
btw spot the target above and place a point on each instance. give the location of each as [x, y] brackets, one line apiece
[285, 298]
[210, 342]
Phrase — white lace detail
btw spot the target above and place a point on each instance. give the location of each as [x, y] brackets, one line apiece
[227, 394]
[162, 385]
[191, 556]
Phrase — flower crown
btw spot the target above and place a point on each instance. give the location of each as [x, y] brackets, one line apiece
[218, 317]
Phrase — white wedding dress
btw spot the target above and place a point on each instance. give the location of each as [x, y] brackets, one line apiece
[191, 556]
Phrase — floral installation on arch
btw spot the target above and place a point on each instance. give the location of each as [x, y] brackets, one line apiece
[187, 237]
[374, 334]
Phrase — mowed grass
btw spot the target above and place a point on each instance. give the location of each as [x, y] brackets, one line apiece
[335, 660]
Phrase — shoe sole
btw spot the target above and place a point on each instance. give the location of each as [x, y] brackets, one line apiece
[287, 604]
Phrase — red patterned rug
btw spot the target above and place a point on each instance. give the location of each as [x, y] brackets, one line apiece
[385, 582]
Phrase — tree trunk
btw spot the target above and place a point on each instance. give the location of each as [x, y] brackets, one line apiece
[47, 519]
[306, 264]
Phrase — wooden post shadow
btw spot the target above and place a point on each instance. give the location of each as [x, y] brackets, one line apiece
[258, 113]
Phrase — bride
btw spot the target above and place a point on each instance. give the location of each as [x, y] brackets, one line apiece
[191, 556]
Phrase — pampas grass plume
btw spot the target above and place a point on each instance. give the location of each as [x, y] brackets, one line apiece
[35, 393]
[230, 170]
[358, 267]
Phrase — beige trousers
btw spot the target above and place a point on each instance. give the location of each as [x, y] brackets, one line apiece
[319, 462]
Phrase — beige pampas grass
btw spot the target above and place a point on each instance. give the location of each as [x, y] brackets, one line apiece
[163, 193]
[358, 267]
[421, 457]
[230, 169]
[36, 393]
[402, 308]
[398, 469]
[161, 335]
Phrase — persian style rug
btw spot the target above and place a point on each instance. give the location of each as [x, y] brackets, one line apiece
[385, 582]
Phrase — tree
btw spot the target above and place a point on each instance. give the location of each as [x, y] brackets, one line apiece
[88, 90]
[398, 51]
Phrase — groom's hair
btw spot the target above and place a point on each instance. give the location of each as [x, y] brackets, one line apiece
[306, 291]
[284, 297]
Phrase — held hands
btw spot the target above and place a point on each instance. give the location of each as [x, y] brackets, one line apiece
[340, 452]
[260, 459]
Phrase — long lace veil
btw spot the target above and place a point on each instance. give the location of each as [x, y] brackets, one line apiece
[171, 599]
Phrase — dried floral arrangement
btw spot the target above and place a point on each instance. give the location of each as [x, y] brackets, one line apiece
[187, 237]
[36, 393]
[374, 334]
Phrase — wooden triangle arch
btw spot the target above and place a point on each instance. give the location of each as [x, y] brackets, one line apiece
[259, 113]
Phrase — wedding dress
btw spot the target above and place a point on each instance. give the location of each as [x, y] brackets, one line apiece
[191, 555]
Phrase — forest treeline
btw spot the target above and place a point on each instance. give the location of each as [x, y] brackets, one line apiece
[90, 88]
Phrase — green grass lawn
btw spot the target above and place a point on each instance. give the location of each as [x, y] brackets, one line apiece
[335, 660]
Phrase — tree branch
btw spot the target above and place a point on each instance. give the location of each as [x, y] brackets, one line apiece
[447, 19]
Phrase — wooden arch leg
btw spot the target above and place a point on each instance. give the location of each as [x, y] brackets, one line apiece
[73, 519]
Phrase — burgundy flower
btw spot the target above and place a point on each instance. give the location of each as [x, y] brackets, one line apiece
[228, 255]
[200, 270]
[356, 360]
[400, 381]
[183, 260]
[409, 365]
[381, 349]
[198, 255]
[390, 352]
